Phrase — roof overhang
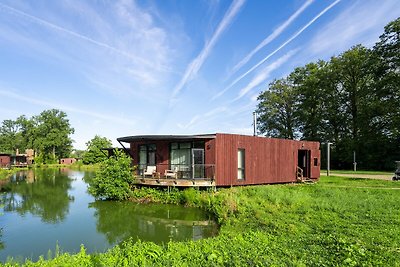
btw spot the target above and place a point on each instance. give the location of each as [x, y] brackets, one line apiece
[136, 138]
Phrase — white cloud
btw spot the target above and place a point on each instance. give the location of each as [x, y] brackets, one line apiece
[196, 63]
[273, 35]
[123, 49]
[202, 118]
[243, 131]
[75, 34]
[362, 22]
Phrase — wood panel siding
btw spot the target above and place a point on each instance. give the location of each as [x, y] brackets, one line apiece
[267, 160]
[5, 160]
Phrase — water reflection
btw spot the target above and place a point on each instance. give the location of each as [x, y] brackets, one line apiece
[42, 193]
[151, 222]
[46, 207]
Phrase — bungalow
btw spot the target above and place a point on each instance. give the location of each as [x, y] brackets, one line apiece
[23, 159]
[5, 160]
[67, 161]
[221, 159]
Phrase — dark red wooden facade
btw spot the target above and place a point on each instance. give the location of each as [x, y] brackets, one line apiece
[5, 160]
[68, 161]
[267, 160]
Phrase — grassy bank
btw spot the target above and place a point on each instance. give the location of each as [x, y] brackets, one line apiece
[336, 222]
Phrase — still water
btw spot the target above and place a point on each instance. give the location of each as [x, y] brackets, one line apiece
[46, 208]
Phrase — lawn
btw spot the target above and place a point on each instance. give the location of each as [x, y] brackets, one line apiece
[335, 222]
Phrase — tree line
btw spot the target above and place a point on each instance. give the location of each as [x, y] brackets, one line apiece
[352, 101]
[47, 133]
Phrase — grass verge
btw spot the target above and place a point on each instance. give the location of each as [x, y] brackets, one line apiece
[336, 222]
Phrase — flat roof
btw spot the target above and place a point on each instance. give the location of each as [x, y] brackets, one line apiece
[136, 138]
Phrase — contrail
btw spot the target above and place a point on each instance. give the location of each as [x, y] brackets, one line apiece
[77, 35]
[196, 63]
[264, 74]
[272, 36]
[276, 50]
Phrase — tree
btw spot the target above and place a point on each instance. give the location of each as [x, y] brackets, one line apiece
[352, 100]
[114, 178]
[308, 81]
[94, 154]
[386, 68]
[278, 110]
[9, 137]
[51, 135]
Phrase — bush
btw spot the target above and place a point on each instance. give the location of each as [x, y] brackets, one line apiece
[113, 179]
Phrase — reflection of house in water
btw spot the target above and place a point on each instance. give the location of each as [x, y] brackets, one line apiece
[166, 229]
[151, 222]
[30, 176]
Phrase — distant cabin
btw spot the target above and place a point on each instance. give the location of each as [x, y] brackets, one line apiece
[5, 160]
[221, 159]
[67, 161]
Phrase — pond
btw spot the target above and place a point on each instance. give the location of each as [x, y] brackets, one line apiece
[49, 208]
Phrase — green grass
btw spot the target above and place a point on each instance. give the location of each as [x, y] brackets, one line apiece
[336, 222]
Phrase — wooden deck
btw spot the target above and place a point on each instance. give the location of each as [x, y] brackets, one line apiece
[166, 182]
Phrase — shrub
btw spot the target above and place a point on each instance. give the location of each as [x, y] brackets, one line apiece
[113, 179]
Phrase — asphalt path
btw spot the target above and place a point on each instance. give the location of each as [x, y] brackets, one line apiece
[366, 176]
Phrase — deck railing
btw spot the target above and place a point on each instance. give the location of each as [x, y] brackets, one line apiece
[177, 171]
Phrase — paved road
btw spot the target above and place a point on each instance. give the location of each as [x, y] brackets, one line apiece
[367, 176]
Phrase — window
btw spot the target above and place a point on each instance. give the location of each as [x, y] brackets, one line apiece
[147, 155]
[241, 164]
[180, 155]
[315, 161]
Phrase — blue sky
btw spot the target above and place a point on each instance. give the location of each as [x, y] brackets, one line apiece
[120, 68]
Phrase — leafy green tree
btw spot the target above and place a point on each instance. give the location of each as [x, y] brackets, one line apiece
[26, 129]
[386, 66]
[352, 100]
[308, 81]
[94, 152]
[9, 136]
[114, 178]
[51, 134]
[354, 90]
[278, 110]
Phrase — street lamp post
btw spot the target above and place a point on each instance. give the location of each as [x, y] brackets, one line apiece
[254, 123]
[328, 158]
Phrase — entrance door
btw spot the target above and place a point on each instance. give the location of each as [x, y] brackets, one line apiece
[303, 162]
[197, 163]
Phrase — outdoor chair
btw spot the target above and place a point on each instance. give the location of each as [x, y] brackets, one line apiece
[171, 173]
[149, 171]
